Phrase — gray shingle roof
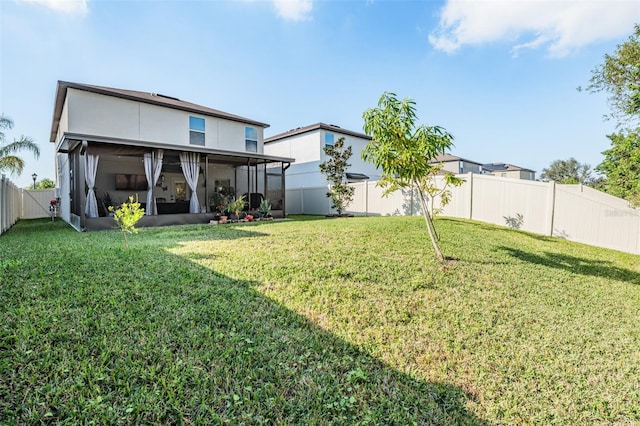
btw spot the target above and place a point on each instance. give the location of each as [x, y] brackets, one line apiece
[316, 126]
[504, 167]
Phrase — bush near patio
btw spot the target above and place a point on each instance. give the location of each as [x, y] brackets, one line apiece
[315, 321]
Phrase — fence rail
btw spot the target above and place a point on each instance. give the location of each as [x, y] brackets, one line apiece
[573, 212]
[16, 203]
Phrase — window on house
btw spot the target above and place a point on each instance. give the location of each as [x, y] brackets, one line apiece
[251, 139]
[328, 139]
[196, 131]
[461, 167]
[503, 174]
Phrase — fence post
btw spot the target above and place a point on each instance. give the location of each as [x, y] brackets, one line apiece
[3, 203]
[366, 198]
[551, 206]
[470, 195]
[638, 238]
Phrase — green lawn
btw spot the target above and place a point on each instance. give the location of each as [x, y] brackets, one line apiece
[343, 321]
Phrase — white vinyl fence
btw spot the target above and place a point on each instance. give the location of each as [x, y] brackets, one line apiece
[16, 203]
[573, 212]
[10, 204]
[36, 202]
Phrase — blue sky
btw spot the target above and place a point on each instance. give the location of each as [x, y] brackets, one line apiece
[501, 76]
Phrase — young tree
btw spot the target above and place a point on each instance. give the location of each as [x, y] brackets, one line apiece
[567, 171]
[335, 168]
[440, 189]
[127, 216]
[403, 151]
[10, 162]
[619, 76]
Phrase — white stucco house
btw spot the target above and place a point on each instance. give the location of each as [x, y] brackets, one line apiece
[306, 146]
[174, 155]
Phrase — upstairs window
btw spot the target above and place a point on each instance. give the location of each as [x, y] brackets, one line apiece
[328, 139]
[251, 139]
[196, 131]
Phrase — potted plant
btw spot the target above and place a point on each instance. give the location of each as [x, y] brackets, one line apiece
[236, 205]
[265, 208]
[218, 202]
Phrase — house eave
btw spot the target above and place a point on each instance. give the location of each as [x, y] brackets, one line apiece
[314, 127]
[240, 158]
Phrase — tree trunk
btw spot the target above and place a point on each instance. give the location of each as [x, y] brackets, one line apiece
[429, 223]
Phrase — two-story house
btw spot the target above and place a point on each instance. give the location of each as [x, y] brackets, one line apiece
[175, 156]
[306, 146]
[457, 165]
[509, 171]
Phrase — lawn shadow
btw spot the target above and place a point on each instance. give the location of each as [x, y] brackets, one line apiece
[512, 225]
[577, 265]
[175, 342]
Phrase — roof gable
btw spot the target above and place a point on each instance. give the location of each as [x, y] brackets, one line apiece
[448, 158]
[505, 167]
[314, 127]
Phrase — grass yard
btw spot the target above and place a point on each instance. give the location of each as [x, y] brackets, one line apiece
[342, 321]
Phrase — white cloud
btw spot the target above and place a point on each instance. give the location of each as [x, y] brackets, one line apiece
[559, 26]
[295, 10]
[65, 6]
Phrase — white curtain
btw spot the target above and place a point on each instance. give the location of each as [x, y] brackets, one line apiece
[91, 168]
[152, 168]
[190, 162]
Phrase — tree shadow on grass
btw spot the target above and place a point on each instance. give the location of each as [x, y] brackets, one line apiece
[160, 339]
[498, 228]
[576, 265]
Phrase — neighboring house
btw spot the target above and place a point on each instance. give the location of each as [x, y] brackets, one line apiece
[174, 155]
[509, 170]
[305, 145]
[457, 165]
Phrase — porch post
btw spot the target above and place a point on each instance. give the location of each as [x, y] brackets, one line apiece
[249, 181]
[264, 178]
[206, 187]
[152, 183]
[255, 180]
[82, 183]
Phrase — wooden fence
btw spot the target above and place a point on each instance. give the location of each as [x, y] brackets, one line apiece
[573, 212]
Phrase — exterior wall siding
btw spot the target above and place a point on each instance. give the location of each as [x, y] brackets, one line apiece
[64, 208]
[64, 121]
[108, 116]
[307, 149]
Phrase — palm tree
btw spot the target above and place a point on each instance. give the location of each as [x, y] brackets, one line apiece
[8, 160]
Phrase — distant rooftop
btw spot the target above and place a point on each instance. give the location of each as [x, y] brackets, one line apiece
[504, 167]
[447, 158]
[313, 127]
